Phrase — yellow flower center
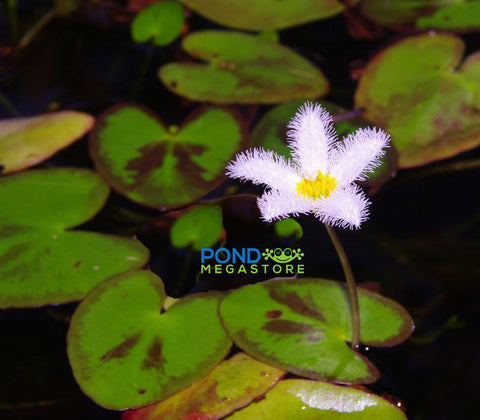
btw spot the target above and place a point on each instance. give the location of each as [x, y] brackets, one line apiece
[321, 187]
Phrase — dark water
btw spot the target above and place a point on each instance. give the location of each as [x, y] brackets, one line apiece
[420, 247]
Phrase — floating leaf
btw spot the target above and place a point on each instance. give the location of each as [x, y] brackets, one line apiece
[119, 332]
[233, 384]
[41, 262]
[288, 228]
[156, 166]
[302, 325]
[242, 69]
[462, 16]
[198, 228]
[309, 400]
[160, 22]
[429, 108]
[263, 15]
[24, 142]
[271, 133]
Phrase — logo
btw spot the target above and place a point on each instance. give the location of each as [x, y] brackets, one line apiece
[276, 261]
[283, 255]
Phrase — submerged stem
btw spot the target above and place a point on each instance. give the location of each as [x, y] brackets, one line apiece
[36, 28]
[147, 59]
[351, 287]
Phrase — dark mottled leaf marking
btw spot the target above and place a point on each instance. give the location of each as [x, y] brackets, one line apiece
[153, 156]
[304, 306]
[122, 349]
[154, 359]
[11, 230]
[13, 253]
[186, 164]
[290, 327]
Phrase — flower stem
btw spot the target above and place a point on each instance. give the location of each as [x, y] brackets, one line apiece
[351, 287]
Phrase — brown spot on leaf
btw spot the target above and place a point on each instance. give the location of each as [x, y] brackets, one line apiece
[122, 349]
[77, 264]
[154, 359]
[304, 306]
[274, 314]
[141, 391]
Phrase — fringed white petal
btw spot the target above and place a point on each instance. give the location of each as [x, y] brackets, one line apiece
[275, 206]
[357, 155]
[347, 207]
[264, 167]
[311, 136]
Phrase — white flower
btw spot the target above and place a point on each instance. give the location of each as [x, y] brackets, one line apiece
[321, 177]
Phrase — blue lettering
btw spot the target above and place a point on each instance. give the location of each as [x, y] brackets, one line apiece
[251, 260]
[206, 256]
[236, 254]
[227, 253]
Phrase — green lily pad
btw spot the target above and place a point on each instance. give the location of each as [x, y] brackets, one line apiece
[288, 228]
[242, 68]
[454, 15]
[261, 15]
[429, 107]
[126, 353]
[24, 142]
[161, 22]
[309, 400]
[41, 262]
[233, 384]
[156, 166]
[302, 325]
[198, 228]
[271, 133]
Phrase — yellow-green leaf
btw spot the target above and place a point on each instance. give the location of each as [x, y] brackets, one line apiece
[24, 142]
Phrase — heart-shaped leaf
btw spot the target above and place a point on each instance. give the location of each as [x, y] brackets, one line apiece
[242, 69]
[40, 261]
[198, 228]
[233, 384]
[24, 142]
[429, 108]
[264, 15]
[454, 15]
[271, 133]
[302, 325]
[160, 22]
[309, 400]
[126, 353]
[156, 166]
